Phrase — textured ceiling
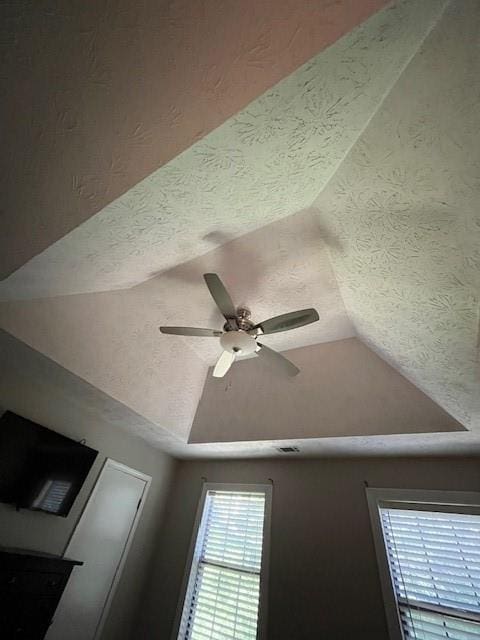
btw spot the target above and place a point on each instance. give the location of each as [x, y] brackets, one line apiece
[33, 385]
[404, 210]
[268, 161]
[398, 217]
[98, 95]
[111, 339]
[281, 267]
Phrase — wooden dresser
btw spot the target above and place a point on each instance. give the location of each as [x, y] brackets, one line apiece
[31, 584]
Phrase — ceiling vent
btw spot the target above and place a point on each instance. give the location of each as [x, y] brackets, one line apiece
[288, 449]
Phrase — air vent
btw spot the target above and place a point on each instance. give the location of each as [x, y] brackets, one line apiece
[288, 449]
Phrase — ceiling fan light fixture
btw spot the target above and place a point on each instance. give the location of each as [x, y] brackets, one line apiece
[239, 335]
[239, 342]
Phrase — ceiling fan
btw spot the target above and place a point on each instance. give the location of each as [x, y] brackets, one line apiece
[239, 336]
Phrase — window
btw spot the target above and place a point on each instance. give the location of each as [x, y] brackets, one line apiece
[52, 495]
[428, 547]
[225, 592]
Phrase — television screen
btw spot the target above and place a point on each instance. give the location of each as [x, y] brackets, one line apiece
[39, 468]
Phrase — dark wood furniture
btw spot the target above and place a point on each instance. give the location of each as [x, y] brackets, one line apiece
[31, 584]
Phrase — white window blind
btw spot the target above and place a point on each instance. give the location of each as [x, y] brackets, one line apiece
[52, 495]
[434, 560]
[222, 598]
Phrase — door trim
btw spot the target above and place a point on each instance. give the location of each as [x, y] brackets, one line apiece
[109, 463]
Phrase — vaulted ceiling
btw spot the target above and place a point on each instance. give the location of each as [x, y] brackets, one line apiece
[99, 96]
[348, 181]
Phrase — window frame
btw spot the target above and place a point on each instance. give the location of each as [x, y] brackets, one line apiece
[267, 490]
[415, 499]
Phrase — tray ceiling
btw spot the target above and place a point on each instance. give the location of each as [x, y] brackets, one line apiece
[407, 223]
[33, 385]
[268, 161]
[366, 124]
[98, 95]
[111, 339]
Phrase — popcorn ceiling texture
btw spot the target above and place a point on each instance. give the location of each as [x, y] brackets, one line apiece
[268, 161]
[403, 208]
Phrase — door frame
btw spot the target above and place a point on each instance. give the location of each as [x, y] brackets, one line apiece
[109, 463]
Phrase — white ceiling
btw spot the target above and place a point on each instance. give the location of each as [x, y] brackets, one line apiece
[404, 208]
[111, 339]
[32, 384]
[267, 162]
[98, 97]
[236, 203]
[278, 268]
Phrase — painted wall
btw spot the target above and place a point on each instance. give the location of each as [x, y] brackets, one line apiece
[343, 389]
[43, 532]
[323, 574]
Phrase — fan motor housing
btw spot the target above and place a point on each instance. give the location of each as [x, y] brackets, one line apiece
[239, 342]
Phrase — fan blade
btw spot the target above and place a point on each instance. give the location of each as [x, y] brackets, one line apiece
[192, 331]
[223, 364]
[278, 360]
[220, 295]
[287, 321]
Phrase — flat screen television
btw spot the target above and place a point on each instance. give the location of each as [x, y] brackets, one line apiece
[39, 468]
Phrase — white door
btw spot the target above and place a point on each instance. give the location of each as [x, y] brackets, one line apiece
[101, 541]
